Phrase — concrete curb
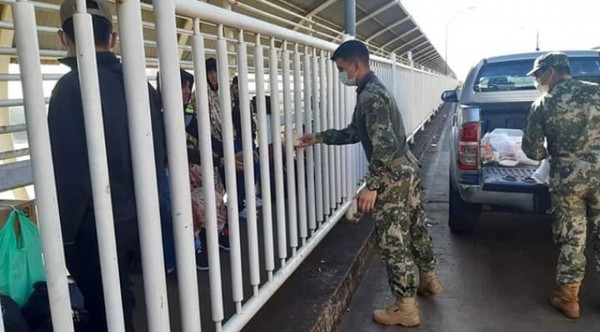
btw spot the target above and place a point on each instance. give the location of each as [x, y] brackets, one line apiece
[340, 300]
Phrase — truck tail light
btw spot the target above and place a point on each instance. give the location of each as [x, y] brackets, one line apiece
[468, 146]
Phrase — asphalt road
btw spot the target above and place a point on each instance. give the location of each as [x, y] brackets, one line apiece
[497, 278]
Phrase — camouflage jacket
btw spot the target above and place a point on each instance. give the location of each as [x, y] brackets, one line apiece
[569, 118]
[377, 124]
[214, 107]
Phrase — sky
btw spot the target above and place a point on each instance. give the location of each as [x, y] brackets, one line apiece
[483, 28]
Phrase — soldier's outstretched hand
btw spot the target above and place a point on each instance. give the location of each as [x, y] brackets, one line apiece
[366, 200]
[306, 140]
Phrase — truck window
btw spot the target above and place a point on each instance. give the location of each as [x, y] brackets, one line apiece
[586, 69]
[512, 75]
[504, 76]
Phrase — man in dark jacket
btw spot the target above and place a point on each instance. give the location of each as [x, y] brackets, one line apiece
[71, 165]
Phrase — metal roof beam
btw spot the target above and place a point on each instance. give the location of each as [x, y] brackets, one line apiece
[400, 37]
[316, 10]
[429, 47]
[411, 41]
[431, 58]
[321, 7]
[426, 56]
[375, 13]
[388, 28]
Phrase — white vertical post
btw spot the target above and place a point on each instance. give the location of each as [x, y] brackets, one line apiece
[204, 131]
[230, 171]
[338, 149]
[300, 161]
[422, 108]
[277, 155]
[324, 126]
[363, 158]
[181, 208]
[94, 128]
[263, 142]
[355, 157]
[142, 151]
[348, 179]
[176, 147]
[332, 124]
[247, 143]
[365, 164]
[413, 99]
[310, 159]
[344, 149]
[317, 105]
[41, 162]
[289, 149]
[208, 176]
[393, 75]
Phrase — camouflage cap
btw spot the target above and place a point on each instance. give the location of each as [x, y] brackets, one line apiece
[550, 59]
[94, 7]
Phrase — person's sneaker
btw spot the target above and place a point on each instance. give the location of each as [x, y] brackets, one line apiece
[224, 239]
[202, 260]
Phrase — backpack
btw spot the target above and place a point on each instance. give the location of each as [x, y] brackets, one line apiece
[12, 316]
[37, 309]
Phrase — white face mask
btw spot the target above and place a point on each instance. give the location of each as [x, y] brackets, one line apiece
[543, 88]
[345, 80]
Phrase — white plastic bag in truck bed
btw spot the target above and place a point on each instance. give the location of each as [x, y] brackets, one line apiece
[504, 147]
[542, 174]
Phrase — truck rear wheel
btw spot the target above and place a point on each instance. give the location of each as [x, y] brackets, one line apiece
[462, 216]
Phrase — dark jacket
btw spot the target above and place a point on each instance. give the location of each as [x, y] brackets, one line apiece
[69, 149]
[236, 114]
[194, 152]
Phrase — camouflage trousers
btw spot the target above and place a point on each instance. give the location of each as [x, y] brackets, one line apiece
[575, 202]
[400, 228]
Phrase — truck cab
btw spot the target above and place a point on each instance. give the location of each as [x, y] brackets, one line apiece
[497, 94]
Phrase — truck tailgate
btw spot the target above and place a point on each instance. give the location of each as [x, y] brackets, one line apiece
[510, 179]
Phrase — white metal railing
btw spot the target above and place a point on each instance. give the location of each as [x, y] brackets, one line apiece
[306, 96]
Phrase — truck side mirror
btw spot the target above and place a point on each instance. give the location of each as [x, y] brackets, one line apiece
[450, 96]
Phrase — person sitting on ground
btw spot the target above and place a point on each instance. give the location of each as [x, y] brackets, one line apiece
[238, 144]
[187, 83]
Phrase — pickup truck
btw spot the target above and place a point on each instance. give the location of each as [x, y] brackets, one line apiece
[497, 93]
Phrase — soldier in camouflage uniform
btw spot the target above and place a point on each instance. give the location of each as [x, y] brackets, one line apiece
[567, 115]
[393, 185]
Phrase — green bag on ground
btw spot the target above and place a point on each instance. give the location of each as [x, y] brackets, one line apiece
[21, 262]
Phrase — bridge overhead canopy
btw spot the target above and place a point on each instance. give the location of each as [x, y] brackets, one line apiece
[385, 25]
